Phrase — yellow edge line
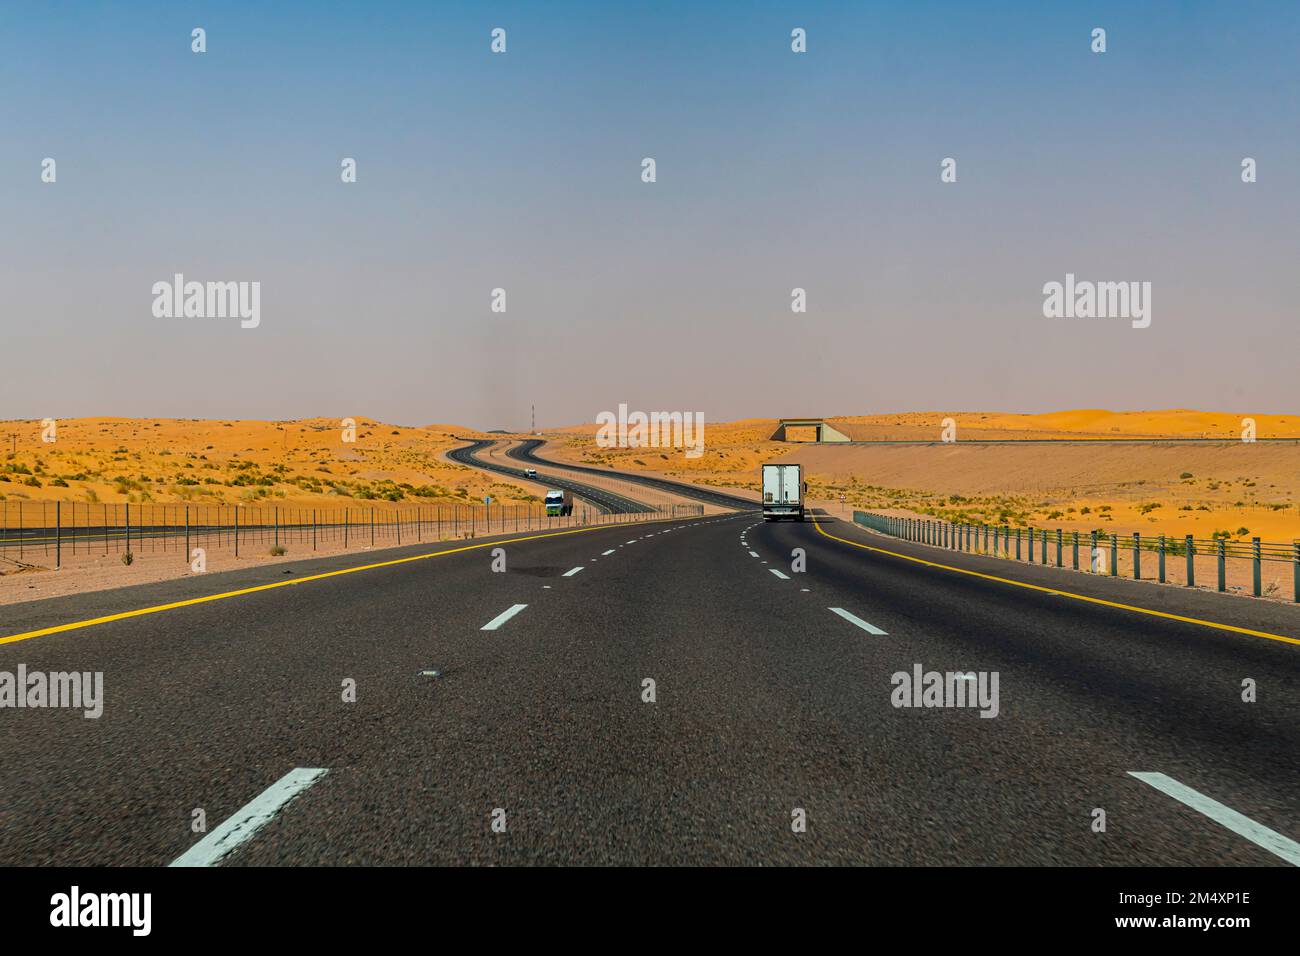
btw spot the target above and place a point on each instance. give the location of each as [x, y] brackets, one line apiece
[155, 609]
[1066, 594]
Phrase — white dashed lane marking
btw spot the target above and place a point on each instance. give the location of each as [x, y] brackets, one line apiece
[1238, 823]
[857, 621]
[504, 616]
[250, 818]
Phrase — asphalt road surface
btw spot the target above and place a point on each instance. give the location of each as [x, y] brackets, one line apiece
[519, 698]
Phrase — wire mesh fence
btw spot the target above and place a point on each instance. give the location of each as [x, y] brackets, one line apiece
[50, 532]
[1260, 568]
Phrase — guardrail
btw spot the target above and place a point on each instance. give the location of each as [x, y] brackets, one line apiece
[1175, 559]
[51, 531]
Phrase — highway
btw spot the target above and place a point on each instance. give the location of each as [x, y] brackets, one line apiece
[605, 501]
[526, 452]
[519, 697]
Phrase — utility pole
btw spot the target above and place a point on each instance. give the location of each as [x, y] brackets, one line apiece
[534, 430]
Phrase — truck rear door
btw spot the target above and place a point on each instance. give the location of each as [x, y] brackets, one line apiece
[790, 485]
[772, 482]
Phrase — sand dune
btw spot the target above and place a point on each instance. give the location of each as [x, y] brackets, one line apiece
[116, 460]
[1234, 487]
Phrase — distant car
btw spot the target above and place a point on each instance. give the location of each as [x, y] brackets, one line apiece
[530, 472]
[559, 504]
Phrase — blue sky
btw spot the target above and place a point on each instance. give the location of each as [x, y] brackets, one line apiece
[522, 171]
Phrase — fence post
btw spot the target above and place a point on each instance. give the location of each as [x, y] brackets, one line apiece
[1296, 572]
[1162, 559]
[1076, 550]
[1137, 556]
[313, 529]
[372, 526]
[1223, 565]
[127, 527]
[1191, 562]
[58, 536]
[276, 516]
[1259, 591]
[1114, 555]
[236, 530]
[1092, 552]
[187, 534]
[1058, 548]
[1018, 537]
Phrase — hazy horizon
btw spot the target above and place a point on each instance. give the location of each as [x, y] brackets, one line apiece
[522, 171]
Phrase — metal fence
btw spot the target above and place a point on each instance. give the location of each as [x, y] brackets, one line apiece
[51, 531]
[1183, 560]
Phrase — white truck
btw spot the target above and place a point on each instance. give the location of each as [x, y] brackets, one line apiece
[783, 492]
[559, 503]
